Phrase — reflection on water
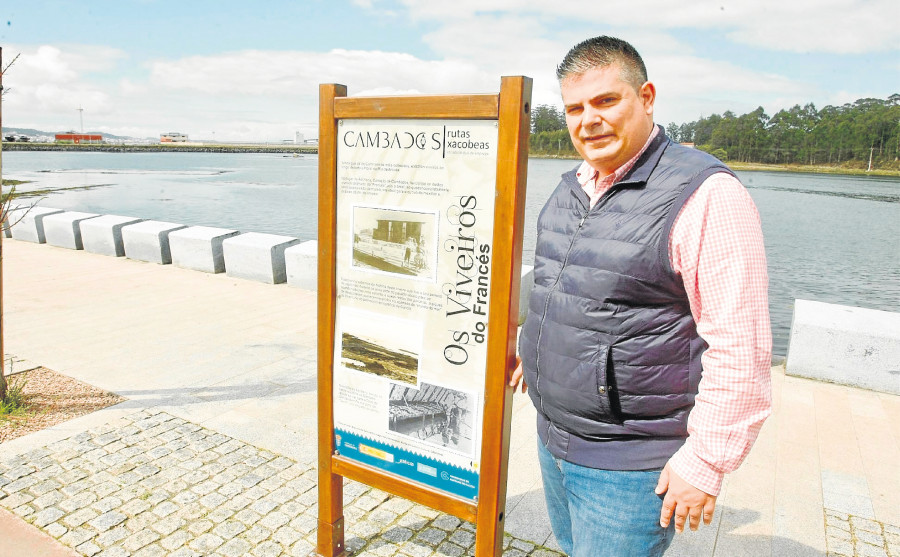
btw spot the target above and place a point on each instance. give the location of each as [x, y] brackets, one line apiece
[829, 238]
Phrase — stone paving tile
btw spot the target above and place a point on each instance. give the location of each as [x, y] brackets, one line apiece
[153, 484]
[854, 536]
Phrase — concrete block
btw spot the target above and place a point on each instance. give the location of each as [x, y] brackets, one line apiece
[149, 241]
[103, 234]
[525, 287]
[64, 229]
[301, 263]
[199, 248]
[7, 233]
[256, 256]
[28, 223]
[846, 345]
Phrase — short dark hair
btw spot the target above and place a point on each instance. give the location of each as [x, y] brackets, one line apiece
[600, 52]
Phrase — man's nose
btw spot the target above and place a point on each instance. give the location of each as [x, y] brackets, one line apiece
[591, 117]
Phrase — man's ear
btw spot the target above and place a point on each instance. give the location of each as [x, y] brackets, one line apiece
[647, 93]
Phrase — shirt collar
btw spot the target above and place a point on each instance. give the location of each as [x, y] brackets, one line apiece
[587, 173]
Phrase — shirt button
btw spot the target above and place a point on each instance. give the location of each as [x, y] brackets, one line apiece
[602, 390]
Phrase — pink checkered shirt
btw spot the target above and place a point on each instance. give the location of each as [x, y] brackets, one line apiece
[716, 245]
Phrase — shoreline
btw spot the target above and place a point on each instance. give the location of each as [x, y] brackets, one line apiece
[766, 167]
[811, 169]
[159, 148]
[313, 150]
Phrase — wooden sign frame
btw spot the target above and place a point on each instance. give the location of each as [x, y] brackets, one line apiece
[511, 109]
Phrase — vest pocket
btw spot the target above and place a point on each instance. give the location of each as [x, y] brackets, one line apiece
[605, 387]
[574, 393]
[612, 388]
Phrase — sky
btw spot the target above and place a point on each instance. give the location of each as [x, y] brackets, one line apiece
[249, 71]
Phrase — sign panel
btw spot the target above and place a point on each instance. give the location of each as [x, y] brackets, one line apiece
[414, 211]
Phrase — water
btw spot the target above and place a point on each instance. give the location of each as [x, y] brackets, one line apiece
[271, 193]
[828, 238]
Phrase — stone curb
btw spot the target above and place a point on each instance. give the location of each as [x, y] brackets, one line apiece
[13, 365]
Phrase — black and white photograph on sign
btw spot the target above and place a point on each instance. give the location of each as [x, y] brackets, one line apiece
[381, 345]
[437, 415]
[393, 241]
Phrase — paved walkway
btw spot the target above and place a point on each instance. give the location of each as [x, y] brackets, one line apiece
[214, 452]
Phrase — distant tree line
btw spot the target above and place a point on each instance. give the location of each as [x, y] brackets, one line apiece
[834, 135]
[549, 135]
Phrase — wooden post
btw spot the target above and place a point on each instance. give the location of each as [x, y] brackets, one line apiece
[4, 208]
[331, 493]
[512, 167]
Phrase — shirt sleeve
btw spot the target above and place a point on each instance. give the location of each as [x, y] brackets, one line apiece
[716, 245]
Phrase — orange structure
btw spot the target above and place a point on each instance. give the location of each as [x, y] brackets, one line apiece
[72, 137]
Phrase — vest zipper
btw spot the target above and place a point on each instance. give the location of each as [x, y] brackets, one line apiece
[537, 364]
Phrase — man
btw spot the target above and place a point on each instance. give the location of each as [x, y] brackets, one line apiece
[647, 344]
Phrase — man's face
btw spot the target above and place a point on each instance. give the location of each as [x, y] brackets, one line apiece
[608, 120]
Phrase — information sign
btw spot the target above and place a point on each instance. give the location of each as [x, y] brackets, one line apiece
[420, 208]
[416, 205]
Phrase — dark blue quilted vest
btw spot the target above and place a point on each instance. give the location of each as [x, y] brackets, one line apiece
[610, 349]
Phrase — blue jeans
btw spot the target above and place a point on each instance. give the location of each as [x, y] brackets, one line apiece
[597, 513]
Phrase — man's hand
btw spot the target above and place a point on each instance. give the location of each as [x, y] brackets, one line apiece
[517, 376]
[685, 500]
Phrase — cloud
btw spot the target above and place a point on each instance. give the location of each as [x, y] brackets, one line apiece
[60, 63]
[508, 42]
[55, 80]
[289, 74]
[45, 64]
[689, 86]
[687, 75]
[503, 46]
[829, 26]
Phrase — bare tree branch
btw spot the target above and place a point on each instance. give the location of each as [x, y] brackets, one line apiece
[5, 90]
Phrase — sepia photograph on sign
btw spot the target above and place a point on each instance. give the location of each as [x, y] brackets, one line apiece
[436, 415]
[381, 345]
[395, 241]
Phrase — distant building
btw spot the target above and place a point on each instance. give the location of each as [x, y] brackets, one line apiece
[688, 144]
[77, 138]
[173, 137]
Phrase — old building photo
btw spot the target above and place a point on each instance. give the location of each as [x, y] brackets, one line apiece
[394, 241]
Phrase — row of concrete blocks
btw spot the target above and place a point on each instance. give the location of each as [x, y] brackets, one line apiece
[268, 258]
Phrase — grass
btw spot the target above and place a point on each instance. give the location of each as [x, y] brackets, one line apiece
[47, 399]
[14, 403]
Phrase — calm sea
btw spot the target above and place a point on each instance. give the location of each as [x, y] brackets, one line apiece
[828, 238]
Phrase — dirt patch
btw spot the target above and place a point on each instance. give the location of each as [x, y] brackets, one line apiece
[52, 398]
